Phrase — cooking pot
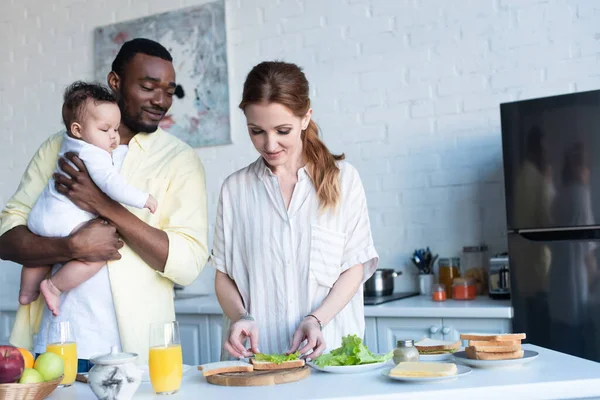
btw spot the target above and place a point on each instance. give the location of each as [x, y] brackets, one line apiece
[381, 283]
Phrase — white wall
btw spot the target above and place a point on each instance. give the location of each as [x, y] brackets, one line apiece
[408, 89]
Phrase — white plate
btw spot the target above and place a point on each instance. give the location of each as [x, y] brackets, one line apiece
[348, 369]
[460, 371]
[146, 375]
[528, 357]
[436, 357]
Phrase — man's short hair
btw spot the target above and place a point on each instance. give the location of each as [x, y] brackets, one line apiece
[76, 97]
[136, 46]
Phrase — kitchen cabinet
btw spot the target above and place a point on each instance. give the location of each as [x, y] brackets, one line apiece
[370, 338]
[200, 338]
[390, 330]
[215, 329]
[7, 319]
[453, 327]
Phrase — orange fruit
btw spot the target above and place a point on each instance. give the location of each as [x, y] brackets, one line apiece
[27, 356]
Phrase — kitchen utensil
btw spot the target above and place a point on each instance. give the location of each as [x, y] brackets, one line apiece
[259, 378]
[381, 283]
[423, 259]
[461, 371]
[528, 356]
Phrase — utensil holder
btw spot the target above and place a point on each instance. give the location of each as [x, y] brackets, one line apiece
[425, 284]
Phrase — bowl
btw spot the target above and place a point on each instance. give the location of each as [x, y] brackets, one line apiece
[28, 391]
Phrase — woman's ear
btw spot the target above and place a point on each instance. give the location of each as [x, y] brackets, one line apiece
[76, 130]
[306, 119]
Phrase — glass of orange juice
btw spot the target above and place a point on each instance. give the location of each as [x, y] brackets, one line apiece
[165, 361]
[61, 341]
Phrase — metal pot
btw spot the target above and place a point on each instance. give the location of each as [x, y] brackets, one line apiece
[381, 283]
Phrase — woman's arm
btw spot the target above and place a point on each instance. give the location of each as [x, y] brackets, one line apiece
[242, 326]
[341, 293]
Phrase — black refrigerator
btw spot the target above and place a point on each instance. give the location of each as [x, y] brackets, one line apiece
[551, 161]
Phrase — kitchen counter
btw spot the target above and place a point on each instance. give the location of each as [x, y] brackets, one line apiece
[416, 307]
[552, 376]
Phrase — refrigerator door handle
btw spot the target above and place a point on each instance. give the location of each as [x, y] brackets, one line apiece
[564, 234]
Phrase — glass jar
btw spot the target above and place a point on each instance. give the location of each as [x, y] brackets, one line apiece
[438, 292]
[464, 289]
[448, 270]
[405, 351]
[474, 265]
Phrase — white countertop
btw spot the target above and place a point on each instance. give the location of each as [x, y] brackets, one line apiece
[417, 306]
[552, 376]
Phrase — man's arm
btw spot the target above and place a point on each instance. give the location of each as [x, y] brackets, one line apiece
[179, 249]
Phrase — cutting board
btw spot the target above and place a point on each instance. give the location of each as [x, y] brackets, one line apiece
[259, 378]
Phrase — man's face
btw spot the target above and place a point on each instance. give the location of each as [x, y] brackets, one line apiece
[146, 92]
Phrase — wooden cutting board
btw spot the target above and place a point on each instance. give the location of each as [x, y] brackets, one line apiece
[259, 378]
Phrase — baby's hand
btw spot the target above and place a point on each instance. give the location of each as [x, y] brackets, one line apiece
[151, 204]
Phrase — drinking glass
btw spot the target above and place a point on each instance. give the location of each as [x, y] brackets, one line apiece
[61, 341]
[165, 360]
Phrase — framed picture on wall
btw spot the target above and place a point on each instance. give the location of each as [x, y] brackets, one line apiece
[196, 39]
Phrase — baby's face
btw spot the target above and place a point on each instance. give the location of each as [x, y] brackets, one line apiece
[100, 126]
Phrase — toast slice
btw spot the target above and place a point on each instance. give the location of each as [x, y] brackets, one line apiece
[497, 349]
[225, 366]
[494, 343]
[423, 369]
[475, 355]
[502, 337]
[268, 365]
[432, 346]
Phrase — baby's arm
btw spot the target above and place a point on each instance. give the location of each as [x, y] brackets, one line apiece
[106, 176]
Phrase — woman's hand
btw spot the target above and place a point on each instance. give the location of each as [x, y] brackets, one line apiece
[239, 331]
[310, 331]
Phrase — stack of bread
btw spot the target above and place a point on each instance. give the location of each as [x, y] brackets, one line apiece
[493, 346]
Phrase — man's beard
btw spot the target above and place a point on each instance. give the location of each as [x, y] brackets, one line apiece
[133, 122]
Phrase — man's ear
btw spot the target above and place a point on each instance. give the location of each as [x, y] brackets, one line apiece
[114, 81]
[76, 130]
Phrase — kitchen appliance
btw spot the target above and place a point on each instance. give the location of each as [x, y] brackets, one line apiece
[499, 277]
[551, 167]
[381, 283]
[375, 300]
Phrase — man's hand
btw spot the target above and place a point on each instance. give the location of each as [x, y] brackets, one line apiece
[80, 188]
[96, 241]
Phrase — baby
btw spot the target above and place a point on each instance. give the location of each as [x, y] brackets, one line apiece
[92, 119]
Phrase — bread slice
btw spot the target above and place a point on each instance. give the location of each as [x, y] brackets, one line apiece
[494, 343]
[493, 336]
[475, 355]
[268, 365]
[225, 366]
[497, 349]
[411, 369]
[432, 346]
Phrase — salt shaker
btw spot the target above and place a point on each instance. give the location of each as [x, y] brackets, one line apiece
[405, 351]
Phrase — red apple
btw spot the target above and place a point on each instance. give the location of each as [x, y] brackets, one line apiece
[11, 364]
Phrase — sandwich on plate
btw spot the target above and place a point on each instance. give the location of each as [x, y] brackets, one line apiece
[276, 361]
[429, 346]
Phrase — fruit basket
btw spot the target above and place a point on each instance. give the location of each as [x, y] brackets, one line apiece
[28, 391]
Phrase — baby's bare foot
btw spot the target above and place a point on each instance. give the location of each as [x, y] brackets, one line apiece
[26, 297]
[51, 295]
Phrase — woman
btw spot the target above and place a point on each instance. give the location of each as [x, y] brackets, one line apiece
[292, 242]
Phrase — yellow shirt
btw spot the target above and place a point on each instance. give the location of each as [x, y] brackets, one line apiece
[171, 171]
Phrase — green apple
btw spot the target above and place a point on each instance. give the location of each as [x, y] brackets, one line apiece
[30, 375]
[49, 365]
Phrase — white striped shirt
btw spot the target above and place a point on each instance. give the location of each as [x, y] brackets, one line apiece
[285, 261]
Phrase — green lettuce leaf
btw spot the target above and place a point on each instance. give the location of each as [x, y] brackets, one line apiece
[276, 358]
[352, 352]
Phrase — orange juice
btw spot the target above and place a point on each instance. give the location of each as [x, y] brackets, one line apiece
[68, 352]
[166, 368]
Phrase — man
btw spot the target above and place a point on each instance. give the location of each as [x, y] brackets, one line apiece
[117, 305]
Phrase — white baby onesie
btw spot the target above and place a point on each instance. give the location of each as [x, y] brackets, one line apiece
[54, 215]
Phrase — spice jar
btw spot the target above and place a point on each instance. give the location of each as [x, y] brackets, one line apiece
[447, 271]
[474, 264]
[464, 289]
[405, 351]
[438, 292]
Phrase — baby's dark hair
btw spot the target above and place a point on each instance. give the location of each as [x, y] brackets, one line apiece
[76, 96]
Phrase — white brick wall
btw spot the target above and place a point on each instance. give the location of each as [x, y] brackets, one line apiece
[408, 89]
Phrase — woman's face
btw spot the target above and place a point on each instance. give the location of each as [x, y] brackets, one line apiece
[276, 132]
